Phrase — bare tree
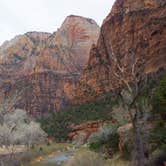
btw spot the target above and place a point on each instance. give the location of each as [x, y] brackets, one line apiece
[32, 134]
[134, 82]
[7, 104]
[18, 129]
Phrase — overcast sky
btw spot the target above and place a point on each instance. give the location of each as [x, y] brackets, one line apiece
[20, 16]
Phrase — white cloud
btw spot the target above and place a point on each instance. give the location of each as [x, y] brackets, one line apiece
[20, 16]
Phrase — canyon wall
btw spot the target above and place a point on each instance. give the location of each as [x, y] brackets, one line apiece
[72, 66]
[43, 68]
[133, 32]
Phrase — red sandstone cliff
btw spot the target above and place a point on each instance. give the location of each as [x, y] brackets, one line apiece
[67, 50]
[133, 31]
[44, 66]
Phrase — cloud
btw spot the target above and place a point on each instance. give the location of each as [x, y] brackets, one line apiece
[20, 16]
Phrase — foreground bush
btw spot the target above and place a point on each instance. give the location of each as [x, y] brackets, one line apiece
[159, 99]
[106, 138]
[17, 129]
[16, 132]
[158, 134]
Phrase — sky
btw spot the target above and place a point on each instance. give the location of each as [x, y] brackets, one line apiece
[20, 16]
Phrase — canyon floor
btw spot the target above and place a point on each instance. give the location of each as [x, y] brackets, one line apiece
[62, 154]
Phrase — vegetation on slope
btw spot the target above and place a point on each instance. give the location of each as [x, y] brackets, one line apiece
[151, 102]
[58, 124]
[158, 137]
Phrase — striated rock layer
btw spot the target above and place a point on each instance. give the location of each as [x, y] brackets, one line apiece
[42, 67]
[81, 133]
[134, 31]
[67, 50]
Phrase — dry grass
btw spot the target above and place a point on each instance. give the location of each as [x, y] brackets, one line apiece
[11, 149]
[86, 158]
[118, 161]
[38, 156]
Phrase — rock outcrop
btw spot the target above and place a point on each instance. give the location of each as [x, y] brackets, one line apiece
[18, 57]
[134, 31]
[80, 133]
[44, 66]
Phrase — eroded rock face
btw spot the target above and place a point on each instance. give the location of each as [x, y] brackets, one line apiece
[40, 93]
[18, 56]
[67, 50]
[81, 133]
[133, 31]
[44, 66]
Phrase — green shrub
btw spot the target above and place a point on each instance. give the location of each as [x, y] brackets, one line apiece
[159, 99]
[128, 144]
[158, 134]
[128, 150]
[58, 124]
[157, 159]
[120, 114]
[106, 138]
[113, 142]
[104, 134]
[96, 145]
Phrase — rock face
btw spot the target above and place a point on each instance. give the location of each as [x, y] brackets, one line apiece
[134, 31]
[44, 66]
[81, 133]
[67, 50]
[18, 56]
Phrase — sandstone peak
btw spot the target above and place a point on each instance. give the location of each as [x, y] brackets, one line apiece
[74, 37]
[76, 18]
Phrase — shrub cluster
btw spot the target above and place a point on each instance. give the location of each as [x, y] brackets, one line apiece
[58, 124]
[105, 138]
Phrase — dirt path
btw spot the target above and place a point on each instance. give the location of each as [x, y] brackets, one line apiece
[59, 158]
[56, 158]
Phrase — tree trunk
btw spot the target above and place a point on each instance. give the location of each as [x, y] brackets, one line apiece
[140, 158]
[2, 163]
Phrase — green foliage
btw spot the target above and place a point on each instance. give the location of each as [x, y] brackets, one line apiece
[103, 135]
[120, 114]
[98, 109]
[58, 124]
[159, 98]
[114, 141]
[158, 135]
[128, 150]
[96, 145]
[107, 138]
